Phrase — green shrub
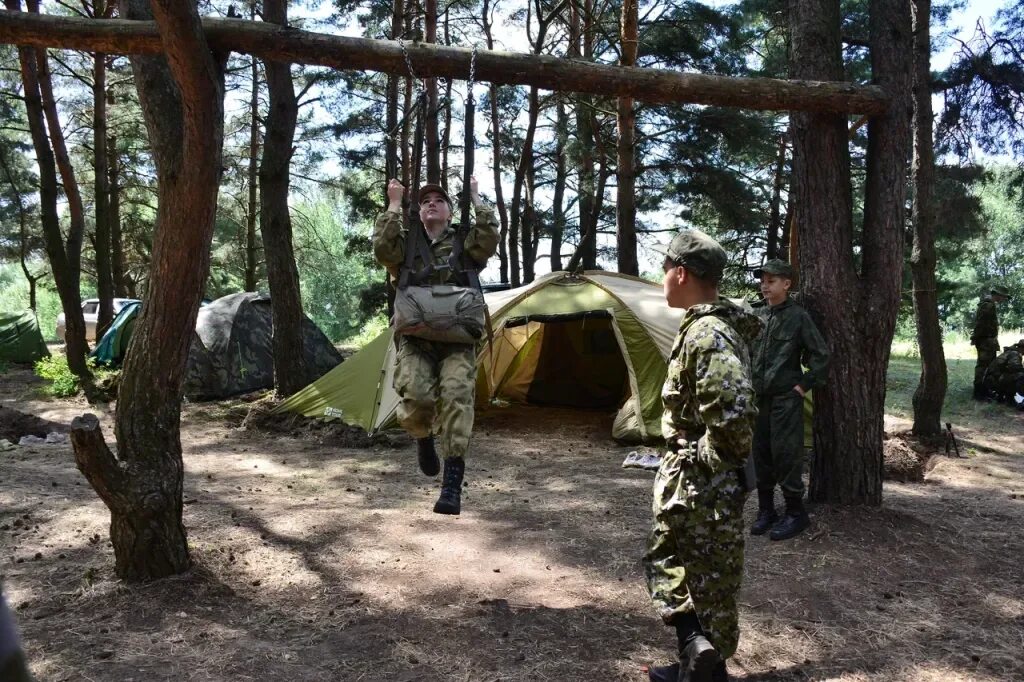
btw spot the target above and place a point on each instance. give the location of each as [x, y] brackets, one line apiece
[63, 383]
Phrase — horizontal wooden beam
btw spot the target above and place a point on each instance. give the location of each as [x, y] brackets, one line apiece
[276, 43]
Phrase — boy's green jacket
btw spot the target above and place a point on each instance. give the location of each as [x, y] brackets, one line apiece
[790, 341]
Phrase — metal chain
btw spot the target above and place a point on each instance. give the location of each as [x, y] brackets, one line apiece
[472, 77]
[408, 60]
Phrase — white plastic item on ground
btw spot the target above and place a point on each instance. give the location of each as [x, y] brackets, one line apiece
[32, 440]
[56, 438]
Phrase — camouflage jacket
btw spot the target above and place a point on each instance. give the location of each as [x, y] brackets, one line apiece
[1009, 362]
[390, 236]
[986, 320]
[790, 342]
[708, 394]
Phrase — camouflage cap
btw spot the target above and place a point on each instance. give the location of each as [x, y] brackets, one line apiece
[431, 187]
[697, 252]
[1000, 290]
[775, 266]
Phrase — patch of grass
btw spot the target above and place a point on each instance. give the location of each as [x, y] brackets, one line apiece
[960, 407]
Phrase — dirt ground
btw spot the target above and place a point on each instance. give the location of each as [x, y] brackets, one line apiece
[315, 561]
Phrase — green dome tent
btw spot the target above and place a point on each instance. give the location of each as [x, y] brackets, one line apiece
[597, 340]
[20, 338]
[114, 344]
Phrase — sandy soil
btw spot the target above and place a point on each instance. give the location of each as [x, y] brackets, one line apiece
[317, 561]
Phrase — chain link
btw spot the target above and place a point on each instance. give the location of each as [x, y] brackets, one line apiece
[472, 76]
[408, 59]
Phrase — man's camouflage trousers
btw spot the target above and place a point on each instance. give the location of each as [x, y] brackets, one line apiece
[436, 384]
[987, 349]
[694, 558]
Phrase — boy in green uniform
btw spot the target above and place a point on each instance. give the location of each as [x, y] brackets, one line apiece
[986, 336]
[694, 558]
[436, 382]
[789, 343]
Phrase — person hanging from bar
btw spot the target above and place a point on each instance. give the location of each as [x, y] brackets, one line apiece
[435, 377]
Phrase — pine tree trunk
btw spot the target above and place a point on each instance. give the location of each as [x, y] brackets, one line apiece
[433, 144]
[101, 179]
[64, 257]
[290, 371]
[931, 388]
[625, 192]
[252, 205]
[142, 484]
[391, 107]
[774, 218]
[561, 174]
[856, 309]
[123, 286]
[519, 226]
[499, 195]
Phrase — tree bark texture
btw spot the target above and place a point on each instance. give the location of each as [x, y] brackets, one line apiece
[856, 310]
[182, 100]
[931, 387]
[625, 191]
[561, 176]
[252, 205]
[101, 180]
[64, 256]
[290, 373]
[270, 42]
[518, 225]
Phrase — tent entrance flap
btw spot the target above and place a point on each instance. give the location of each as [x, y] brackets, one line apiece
[567, 360]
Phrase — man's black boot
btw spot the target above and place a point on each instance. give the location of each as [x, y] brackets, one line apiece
[766, 514]
[794, 522]
[427, 456]
[450, 501]
[720, 673]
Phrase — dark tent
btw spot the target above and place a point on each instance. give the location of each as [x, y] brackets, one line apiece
[231, 351]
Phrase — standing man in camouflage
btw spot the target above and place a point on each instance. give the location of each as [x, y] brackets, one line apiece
[436, 382]
[790, 342]
[986, 336]
[694, 558]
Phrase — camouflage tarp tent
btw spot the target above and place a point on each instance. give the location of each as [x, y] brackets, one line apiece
[231, 350]
[20, 338]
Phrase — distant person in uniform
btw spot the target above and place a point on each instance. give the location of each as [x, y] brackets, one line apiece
[986, 336]
[1004, 377]
[436, 382]
[694, 559]
[789, 343]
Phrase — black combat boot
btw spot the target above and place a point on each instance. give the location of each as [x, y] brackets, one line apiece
[720, 673]
[794, 522]
[766, 514]
[427, 456]
[450, 501]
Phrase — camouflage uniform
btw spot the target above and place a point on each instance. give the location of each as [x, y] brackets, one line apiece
[1005, 374]
[694, 558]
[790, 341]
[985, 339]
[436, 382]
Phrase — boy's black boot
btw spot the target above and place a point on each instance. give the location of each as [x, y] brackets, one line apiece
[450, 501]
[427, 456]
[794, 522]
[766, 514]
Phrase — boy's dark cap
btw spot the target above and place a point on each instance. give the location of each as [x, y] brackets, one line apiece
[775, 267]
[431, 187]
[697, 252]
[1000, 290]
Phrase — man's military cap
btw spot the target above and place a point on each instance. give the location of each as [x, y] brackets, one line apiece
[1000, 290]
[775, 267]
[697, 252]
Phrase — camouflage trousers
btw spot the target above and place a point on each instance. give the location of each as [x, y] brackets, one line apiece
[694, 558]
[987, 349]
[436, 386]
[779, 443]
